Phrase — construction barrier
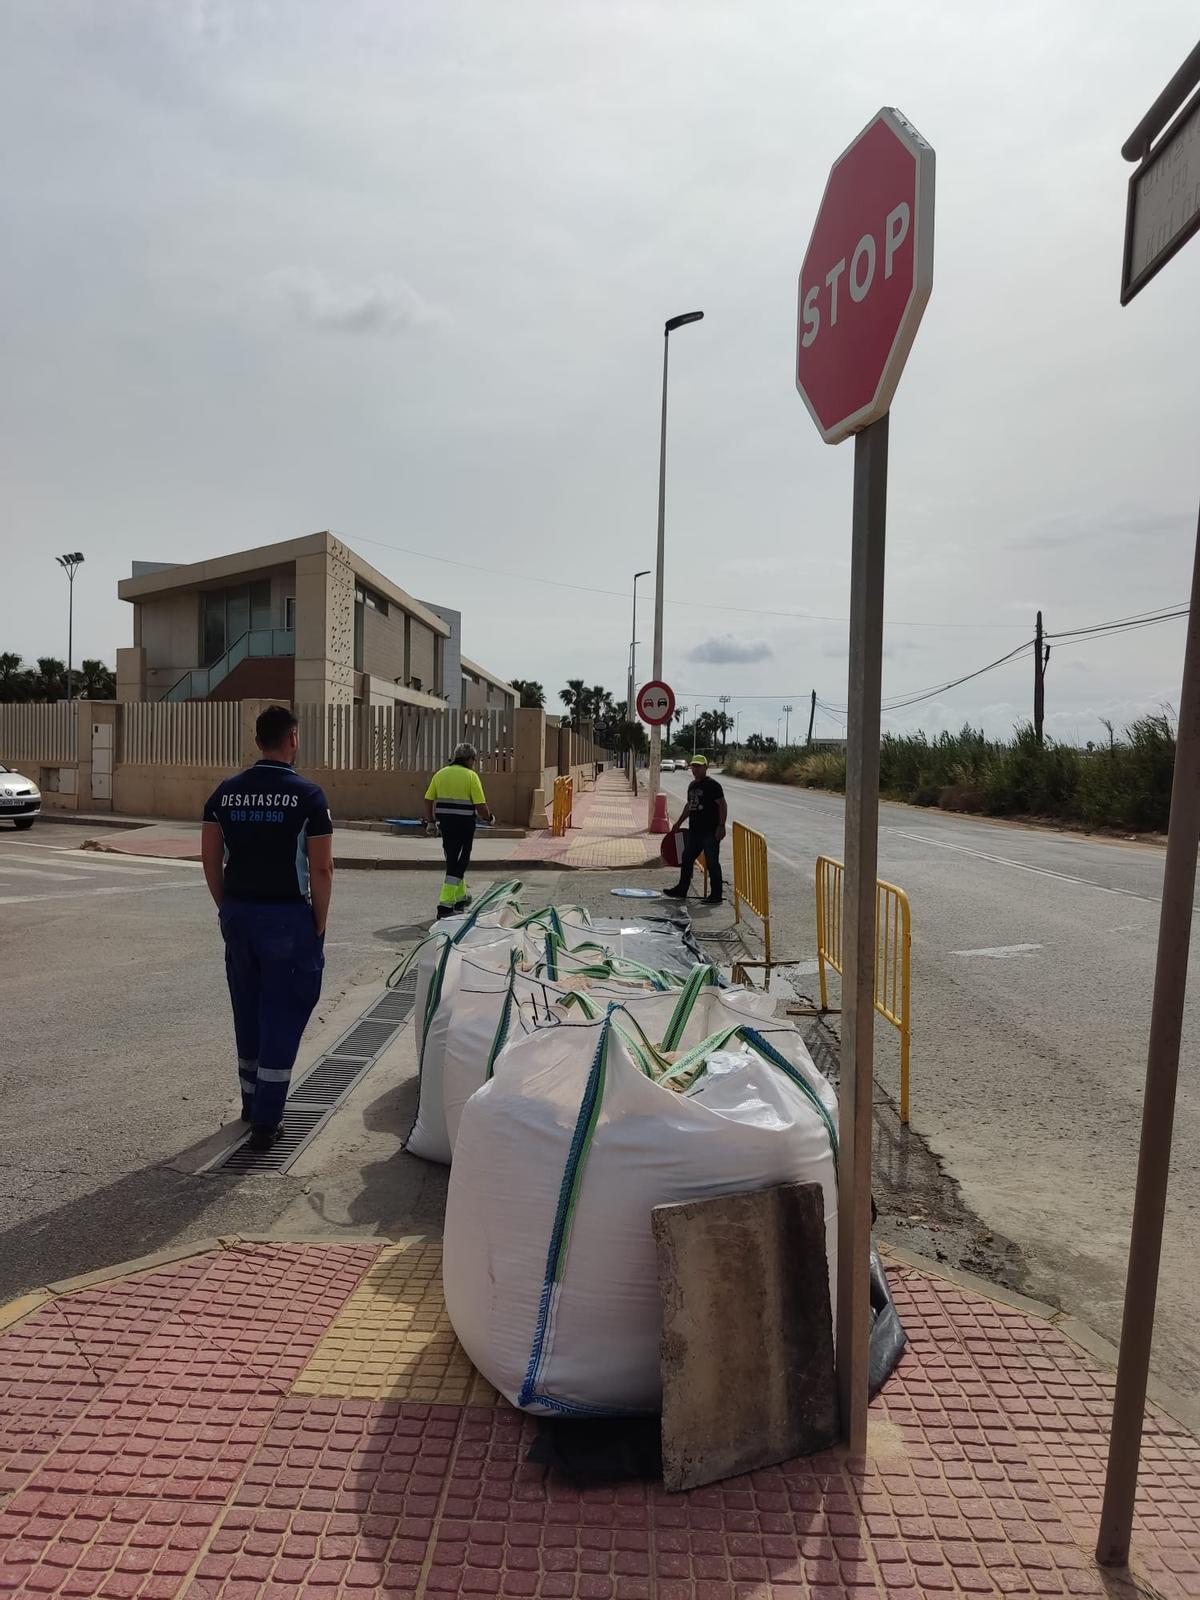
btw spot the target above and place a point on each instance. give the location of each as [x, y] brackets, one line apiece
[893, 954]
[564, 800]
[750, 886]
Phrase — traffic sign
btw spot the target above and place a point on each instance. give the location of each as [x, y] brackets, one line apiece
[866, 276]
[655, 703]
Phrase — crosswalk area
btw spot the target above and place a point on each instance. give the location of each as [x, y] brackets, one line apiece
[31, 872]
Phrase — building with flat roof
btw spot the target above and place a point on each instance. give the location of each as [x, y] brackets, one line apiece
[307, 621]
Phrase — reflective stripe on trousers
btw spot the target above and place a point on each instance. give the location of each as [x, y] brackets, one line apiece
[274, 959]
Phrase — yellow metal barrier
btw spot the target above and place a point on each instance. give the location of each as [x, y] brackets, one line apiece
[564, 802]
[893, 954]
[750, 884]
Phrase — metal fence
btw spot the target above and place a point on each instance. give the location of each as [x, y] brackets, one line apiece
[41, 733]
[750, 885]
[190, 733]
[893, 954]
[401, 738]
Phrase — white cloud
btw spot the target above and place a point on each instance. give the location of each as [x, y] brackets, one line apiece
[386, 305]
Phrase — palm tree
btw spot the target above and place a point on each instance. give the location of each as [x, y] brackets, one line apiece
[50, 679]
[10, 675]
[531, 694]
[575, 698]
[96, 681]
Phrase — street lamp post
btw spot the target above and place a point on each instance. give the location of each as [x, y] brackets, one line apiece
[656, 733]
[70, 565]
[723, 700]
[633, 644]
[787, 725]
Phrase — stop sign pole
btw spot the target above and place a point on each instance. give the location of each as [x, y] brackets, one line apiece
[864, 284]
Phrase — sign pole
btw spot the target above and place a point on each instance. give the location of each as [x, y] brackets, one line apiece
[1158, 1110]
[856, 1094]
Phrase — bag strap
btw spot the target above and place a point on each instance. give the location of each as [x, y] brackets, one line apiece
[701, 977]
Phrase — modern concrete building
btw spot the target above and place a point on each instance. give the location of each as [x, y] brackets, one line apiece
[308, 621]
[483, 690]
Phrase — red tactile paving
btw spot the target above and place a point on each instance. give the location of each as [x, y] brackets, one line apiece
[149, 1447]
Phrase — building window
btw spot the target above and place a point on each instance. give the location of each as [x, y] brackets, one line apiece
[367, 597]
[289, 613]
[230, 613]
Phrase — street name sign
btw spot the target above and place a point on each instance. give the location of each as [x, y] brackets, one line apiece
[1163, 209]
[866, 277]
[655, 703]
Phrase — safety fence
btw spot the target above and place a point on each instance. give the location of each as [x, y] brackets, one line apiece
[399, 738]
[39, 733]
[750, 883]
[893, 954]
[195, 733]
[562, 807]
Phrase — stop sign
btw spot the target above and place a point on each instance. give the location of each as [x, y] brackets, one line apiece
[866, 276]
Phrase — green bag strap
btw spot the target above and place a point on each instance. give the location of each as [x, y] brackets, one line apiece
[500, 1037]
[702, 976]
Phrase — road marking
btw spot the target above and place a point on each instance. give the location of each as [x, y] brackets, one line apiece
[1024, 866]
[1001, 952]
[9, 860]
[88, 894]
[34, 872]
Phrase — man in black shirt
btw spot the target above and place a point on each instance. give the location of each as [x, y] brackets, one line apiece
[267, 850]
[705, 812]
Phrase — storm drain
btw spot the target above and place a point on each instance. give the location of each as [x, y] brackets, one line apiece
[315, 1097]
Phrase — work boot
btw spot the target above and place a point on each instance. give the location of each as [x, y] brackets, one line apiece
[714, 900]
[263, 1136]
[678, 892]
[464, 902]
[446, 911]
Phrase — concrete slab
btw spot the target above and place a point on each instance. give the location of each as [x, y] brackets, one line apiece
[747, 1337]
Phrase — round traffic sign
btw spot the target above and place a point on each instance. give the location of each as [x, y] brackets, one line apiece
[866, 276]
[655, 703]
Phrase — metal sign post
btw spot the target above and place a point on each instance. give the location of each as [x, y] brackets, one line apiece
[1158, 223]
[866, 279]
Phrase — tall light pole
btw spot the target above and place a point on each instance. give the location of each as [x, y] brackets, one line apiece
[723, 700]
[737, 731]
[70, 565]
[631, 760]
[787, 725]
[656, 733]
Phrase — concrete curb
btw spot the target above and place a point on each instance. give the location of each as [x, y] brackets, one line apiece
[1179, 1407]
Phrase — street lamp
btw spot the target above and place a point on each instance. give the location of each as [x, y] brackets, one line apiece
[724, 700]
[656, 733]
[633, 644]
[787, 723]
[70, 565]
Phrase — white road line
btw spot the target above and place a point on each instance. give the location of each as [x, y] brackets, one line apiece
[34, 872]
[1001, 952]
[88, 894]
[70, 871]
[1024, 866]
[90, 864]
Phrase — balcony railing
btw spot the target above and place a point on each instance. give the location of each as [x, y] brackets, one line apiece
[256, 643]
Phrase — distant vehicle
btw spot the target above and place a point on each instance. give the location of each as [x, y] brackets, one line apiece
[20, 798]
[671, 765]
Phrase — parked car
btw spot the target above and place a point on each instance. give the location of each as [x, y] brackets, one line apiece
[20, 798]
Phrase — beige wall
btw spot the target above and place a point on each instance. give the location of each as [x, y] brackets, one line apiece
[421, 658]
[169, 633]
[325, 627]
[383, 644]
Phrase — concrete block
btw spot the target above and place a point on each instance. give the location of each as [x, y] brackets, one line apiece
[747, 1336]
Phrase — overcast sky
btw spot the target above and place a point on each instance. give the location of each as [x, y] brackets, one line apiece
[400, 269]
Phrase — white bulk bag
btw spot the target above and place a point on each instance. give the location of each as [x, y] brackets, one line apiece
[549, 1266]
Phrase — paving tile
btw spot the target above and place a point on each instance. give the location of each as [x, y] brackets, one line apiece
[393, 1339]
[369, 1457]
[93, 1544]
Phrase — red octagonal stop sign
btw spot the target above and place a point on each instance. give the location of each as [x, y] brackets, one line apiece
[866, 276]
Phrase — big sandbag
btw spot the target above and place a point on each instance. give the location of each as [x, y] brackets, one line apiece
[494, 1007]
[550, 1269]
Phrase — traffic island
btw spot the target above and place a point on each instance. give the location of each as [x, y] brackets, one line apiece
[265, 1419]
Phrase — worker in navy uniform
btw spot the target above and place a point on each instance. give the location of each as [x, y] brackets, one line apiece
[453, 800]
[706, 813]
[267, 850]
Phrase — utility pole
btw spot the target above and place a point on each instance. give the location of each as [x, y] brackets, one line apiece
[1041, 655]
[70, 565]
[724, 700]
[812, 717]
[787, 726]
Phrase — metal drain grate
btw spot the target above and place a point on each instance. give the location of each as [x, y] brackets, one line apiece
[315, 1097]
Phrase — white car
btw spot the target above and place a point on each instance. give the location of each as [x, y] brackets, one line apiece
[20, 798]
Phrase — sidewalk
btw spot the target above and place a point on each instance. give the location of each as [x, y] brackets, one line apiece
[609, 831]
[267, 1420]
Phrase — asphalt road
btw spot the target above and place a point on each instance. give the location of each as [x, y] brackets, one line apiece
[1033, 966]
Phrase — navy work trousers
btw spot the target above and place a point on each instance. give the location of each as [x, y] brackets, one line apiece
[697, 844]
[274, 958]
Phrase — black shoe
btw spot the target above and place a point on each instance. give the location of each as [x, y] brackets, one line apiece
[446, 911]
[263, 1137]
[676, 893]
[247, 1115]
[714, 900]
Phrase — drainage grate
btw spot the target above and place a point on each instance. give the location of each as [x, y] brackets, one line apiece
[316, 1096]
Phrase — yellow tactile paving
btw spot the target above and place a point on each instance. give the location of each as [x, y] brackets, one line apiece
[393, 1339]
